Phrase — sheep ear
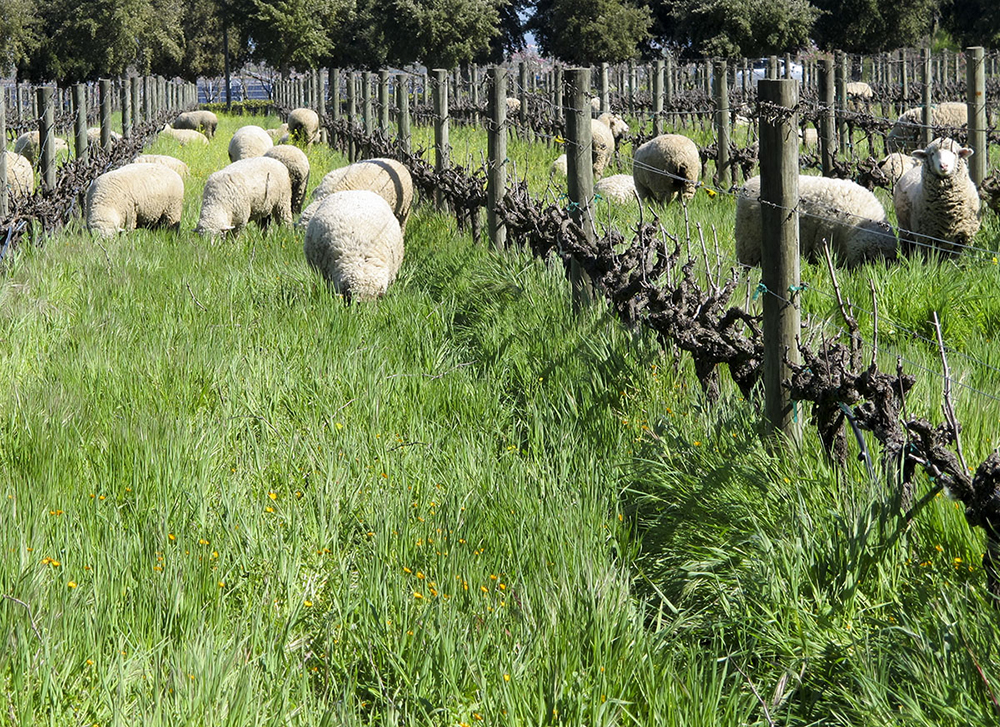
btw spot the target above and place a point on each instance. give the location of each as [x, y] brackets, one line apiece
[919, 154]
[965, 152]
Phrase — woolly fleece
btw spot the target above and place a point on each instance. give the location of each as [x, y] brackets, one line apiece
[135, 195]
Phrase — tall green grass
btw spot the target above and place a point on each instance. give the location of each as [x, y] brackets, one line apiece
[228, 498]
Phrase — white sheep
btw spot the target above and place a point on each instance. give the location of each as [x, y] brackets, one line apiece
[559, 167]
[666, 168]
[298, 171]
[386, 177]
[937, 203]
[895, 165]
[248, 142]
[303, 125]
[94, 136]
[27, 145]
[809, 136]
[278, 134]
[199, 120]
[257, 189]
[595, 104]
[513, 107]
[20, 176]
[617, 125]
[173, 163]
[603, 142]
[135, 195]
[618, 188]
[849, 217]
[183, 136]
[859, 90]
[905, 134]
[355, 242]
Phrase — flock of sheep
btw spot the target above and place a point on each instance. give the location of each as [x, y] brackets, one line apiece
[353, 226]
[937, 205]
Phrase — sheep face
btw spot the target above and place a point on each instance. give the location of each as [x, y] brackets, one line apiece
[943, 157]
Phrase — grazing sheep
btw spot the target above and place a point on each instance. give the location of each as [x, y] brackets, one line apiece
[859, 90]
[845, 214]
[277, 135]
[356, 243]
[895, 165]
[20, 176]
[809, 136]
[94, 136]
[298, 171]
[905, 134]
[135, 195]
[386, 177]
[559, 167]
[176, 164]
[204, 121]
[936, 203]
[27, 145]
[183, 136]
[618, 188]
[595, 104]
[603, 142]
[303, 125]
[257, 189]
[248, 142]
[742, 121]
[513, 107]
[667, 168]
[617, 125]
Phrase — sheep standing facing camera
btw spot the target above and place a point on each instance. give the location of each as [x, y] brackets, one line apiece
[135, 195]
[303, 125]
[257, 189]
[355, 242]
[937, 204]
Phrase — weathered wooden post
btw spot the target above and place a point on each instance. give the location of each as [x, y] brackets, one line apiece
[403, 117]
[772, 67]
[320, 94]
[668, 88]
[474, 88]
[136, 102]
[828, 127]
[722, 128]
[788, 65]
[383, 101]
[4, 191]
[441, 146]
[496, 172]
[126, 96]
[522, 94]
[368, 107]
[79, 94]
[580, 173]
[334, 76]
[633, 81]
[603, 88]
[779, 198]
[353, 149]
[975, 70]
[927, 133]
[557, 83]
[46, 137]
[105, 101]
[658, 98]
[841, 91]
[904, 80]
[147, 98]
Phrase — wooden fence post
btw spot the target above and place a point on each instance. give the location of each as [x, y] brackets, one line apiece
[105, 101]
[441, 146]
[658, 98]
[383, 101]
[975, 71]
[828, 128]
[496, 172]
[4, 192]
[403, 117]
[366, 99]
[46, 134]
[580, 173]
[126, 97]
[136, 101]
[334, 76]
[604, 89]
[779, 197]
[320, 94]
[475, 81]
[904, 79]
[927, 134]
[722, 166]
[353, 149]
[80, 121]
[522, 94]
[841, 92]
